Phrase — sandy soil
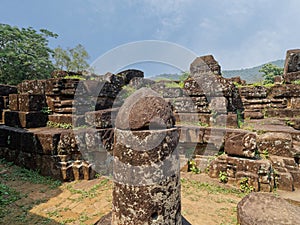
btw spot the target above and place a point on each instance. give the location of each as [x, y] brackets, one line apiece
[204, 200]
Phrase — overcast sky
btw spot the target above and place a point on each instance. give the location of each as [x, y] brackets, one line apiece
[239, 33]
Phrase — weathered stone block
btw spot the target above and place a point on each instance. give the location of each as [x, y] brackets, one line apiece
[68, 119]
[296, 178]
[230, 120]
[218, 104]
[1, 102]
[14, 102]
[205, 64]
[292, 61]
[17, 138]
[292, 76]
[275, 143]
[78, 170]
[253, 92]
[27, 160]
[280, 112]
[104, 103]
[99, 139]
[47, 140]
[29, 102]
[6, 90]
[25, 119]
[4, 135]
[66, 171]
[243, 144]
[262, 208]
[285, 181]
[189, 104]
[193, 88]
[284, 91]
[208, 85]
[192, 118]
[295, 102]
[49, 166]
[67, 143]
[253, 114]
[102, 118]
[36, 87]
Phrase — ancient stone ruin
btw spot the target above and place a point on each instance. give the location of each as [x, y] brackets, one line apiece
[255, 127]
[263, 208]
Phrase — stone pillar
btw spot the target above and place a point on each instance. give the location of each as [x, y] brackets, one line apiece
[146, 163]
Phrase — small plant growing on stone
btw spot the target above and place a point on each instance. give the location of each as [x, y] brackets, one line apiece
[265, 154]
[245, 186]
[46, 110]
[296, 82]
[202, 124]
[192, 167]
[240, 120]
[59, 125]
[223, 177]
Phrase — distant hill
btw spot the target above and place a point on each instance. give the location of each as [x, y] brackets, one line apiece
[250, 75]
[165, 76]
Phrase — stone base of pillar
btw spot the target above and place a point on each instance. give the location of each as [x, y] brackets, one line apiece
[106, 220]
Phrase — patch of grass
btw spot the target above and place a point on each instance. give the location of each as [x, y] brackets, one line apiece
[7, 197]
[211, 188]
[92, 192]
[54, 213]
[19, 173]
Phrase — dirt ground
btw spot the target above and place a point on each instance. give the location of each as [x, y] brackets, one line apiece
[27, 198]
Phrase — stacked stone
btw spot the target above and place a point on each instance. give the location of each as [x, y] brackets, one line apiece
[26, 106]
[276, 101]
[291, 71]
[101, 121]
[259, 102]
[5, 91]
[146, 166]
[89, 150]
[60, 94]
[283, 149]
[241, 161]
[215, 95]
[210, 102]
[268, 160]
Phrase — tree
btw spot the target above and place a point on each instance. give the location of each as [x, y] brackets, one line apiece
[72, 59]
[24, 54]
[270, 71]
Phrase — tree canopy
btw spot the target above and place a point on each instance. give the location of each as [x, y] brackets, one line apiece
[72, 59]
[24, 54]
[269, 72]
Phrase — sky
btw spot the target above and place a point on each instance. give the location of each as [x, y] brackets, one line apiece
[239, 33]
